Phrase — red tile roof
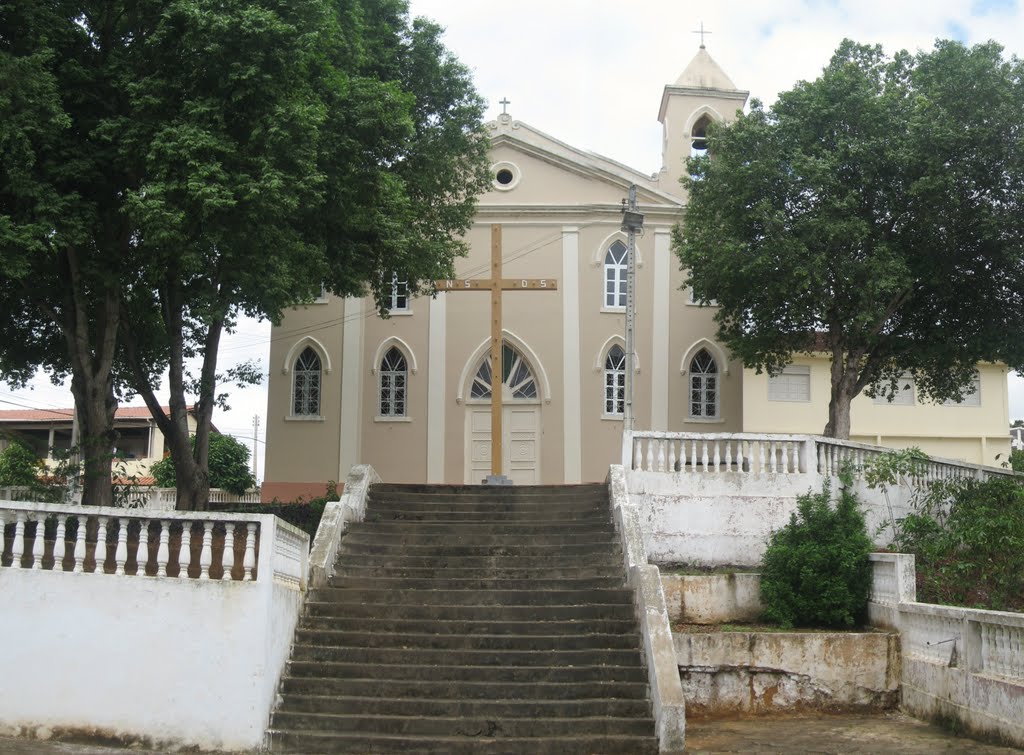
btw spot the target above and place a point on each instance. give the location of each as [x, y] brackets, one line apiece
[65, 415]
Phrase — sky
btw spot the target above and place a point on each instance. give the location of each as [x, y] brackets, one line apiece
[591, 73]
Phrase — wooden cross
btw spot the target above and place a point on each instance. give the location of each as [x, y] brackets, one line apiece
[496, 284]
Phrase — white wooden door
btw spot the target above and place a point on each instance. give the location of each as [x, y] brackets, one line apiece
[520, 444]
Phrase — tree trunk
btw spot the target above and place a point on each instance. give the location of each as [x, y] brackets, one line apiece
[95, 404]
[844, 388]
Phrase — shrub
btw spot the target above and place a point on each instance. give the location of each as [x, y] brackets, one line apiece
[816, 570]
[967, 537]
[228, 464]
[305, 515]
[19, 466]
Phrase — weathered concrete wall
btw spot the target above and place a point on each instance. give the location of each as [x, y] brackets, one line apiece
[758, 672]
[157, 659]
[712, 598]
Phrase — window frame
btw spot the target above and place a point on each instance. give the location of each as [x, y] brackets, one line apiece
[393, 386]
[399, 293]
[698, 376]
[614, 384]
[790, 370]
[617, 274]
[299, 407]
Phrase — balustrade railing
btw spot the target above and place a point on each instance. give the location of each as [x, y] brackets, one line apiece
[1002, 645]
[745, 453]
[760, 453]
[133, 542]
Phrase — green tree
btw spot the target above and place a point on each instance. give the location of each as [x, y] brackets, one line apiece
[19, 465]
[167, 167]
[876, 214]
[228, 464]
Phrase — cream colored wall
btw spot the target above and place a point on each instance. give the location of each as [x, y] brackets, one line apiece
[396, 448]
[973, 434]
[306, 450]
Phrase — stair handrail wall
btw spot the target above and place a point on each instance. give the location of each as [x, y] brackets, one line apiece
[668, 703]
[963, 664]
[351, 507]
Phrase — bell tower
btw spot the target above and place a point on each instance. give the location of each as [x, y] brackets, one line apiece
[702, 94]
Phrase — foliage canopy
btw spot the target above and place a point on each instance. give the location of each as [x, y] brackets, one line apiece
[875, 214]
[168, 166]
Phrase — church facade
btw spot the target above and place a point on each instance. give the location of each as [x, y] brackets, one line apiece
[410, 394]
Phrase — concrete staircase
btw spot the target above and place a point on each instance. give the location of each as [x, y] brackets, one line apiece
[471, 620]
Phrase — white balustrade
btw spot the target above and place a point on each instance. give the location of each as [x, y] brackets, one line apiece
[26, 540]
[228, 557]
[759, 453]
[935, 636]
[1002, 644]
[715, 453]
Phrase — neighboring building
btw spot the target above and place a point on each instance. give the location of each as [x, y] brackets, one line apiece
[140, 442]
[1017, 438]
[410, 394]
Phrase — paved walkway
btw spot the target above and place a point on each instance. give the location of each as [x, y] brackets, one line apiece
[808, 734]
[820, 734]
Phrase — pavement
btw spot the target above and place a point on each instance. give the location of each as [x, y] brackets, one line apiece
[798, 734]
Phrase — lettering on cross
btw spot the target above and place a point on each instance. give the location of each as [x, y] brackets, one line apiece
[496, 284]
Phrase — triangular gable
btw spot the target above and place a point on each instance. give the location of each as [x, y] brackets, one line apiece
[537, 145]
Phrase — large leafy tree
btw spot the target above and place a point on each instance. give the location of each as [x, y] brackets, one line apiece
[875, 214]
[229, 158]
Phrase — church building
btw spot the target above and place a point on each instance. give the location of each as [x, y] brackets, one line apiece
[410, 394]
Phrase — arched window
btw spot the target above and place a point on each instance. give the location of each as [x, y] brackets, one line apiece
[516, 376]
[703, 386]
[615, 275]
[699, 137]
[394, 374]
[615, 381]
[306, 384]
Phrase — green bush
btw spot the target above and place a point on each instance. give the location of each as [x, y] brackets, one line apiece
[19, 466]
[967, 537]
[816, 571]
[228, 464]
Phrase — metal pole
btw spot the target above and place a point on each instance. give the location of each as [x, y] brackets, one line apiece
[632, 222]
[255, 440]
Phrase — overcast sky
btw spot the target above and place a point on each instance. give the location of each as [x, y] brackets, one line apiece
[591, 73]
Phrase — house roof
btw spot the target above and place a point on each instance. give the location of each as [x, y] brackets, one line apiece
[66, 415]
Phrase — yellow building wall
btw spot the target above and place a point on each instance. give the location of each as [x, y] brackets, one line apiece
[975, 434]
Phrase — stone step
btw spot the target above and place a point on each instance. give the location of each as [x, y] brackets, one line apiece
[436, 641]
[322, 742]
[464, 627]
[455, 516]
[467, 726]
[460, 706]
[595, 596]
[546, 492]
[552, 559]
[484, 657]
[470, 583]
[317, 607]
[412, 680]
[485, 542]
[454, 572]
[467, 549]
[473, 529]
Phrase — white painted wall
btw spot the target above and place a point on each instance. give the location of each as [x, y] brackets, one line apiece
[166, 660]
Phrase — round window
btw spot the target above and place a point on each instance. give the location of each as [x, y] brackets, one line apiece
[504, 176]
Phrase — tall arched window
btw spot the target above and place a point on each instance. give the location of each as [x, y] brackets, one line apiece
[615, 275]
[306, 384]
[703, 386]
[394, 375]
[615, 381]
